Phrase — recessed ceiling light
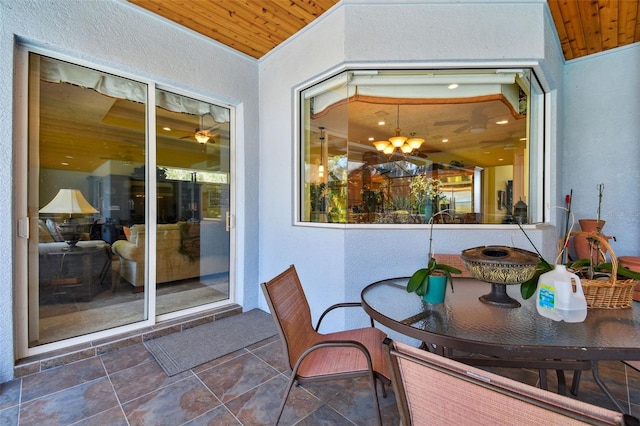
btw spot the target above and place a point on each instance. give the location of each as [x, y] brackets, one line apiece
[523, 139]
[372, 139]
[487, 152]
[381, 123]
[168, 129]
[68, 156]
[500, 159]
[445, 140]
[502, 122]
[65, 164]
[453, 86]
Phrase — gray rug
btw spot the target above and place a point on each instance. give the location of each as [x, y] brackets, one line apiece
[178, 352]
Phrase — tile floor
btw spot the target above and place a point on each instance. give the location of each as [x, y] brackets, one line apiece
[128, 387]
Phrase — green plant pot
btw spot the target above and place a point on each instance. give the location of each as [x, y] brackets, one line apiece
[436, 289]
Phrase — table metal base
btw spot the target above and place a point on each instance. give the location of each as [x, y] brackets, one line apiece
[499, 297]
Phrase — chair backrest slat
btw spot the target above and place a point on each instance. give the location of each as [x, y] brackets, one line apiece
[289, 305]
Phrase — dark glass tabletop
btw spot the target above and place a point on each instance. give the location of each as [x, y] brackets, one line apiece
[463, 322]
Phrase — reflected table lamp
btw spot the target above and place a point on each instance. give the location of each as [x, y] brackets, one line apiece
[69, 201]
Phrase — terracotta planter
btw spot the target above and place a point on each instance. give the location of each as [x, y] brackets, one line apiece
[633, 263]
[581, 244]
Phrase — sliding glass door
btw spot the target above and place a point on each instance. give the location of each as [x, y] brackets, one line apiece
[192, 244]
[128, 193]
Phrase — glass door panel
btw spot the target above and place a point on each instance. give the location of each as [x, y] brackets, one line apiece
[192, 244]
[86, 141]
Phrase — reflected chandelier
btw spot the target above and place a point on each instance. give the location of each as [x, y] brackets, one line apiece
[403, 143]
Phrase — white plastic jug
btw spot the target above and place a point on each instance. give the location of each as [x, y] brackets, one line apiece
[556, 299]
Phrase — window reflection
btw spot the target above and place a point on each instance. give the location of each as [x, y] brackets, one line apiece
[88, 195]
[86, 133]
[372, 139]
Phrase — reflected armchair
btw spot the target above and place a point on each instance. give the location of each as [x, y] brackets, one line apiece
[314, 356]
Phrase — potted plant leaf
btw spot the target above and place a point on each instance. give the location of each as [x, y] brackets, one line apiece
[430, 282]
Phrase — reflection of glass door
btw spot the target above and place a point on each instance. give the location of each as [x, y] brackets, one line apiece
[86, 137]
[193, 250]
[88, 192]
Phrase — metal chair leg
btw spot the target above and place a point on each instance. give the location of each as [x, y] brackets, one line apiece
[286, 396]
[374, 391]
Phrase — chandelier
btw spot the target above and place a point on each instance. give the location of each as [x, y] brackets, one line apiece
[402, 143]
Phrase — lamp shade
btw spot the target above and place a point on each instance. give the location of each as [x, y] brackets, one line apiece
[69, 201]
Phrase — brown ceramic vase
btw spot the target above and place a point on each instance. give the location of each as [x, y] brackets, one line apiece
[581, 244]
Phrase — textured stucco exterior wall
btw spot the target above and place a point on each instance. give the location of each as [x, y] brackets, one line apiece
[337, 263]
[115, 34]
[601, 142]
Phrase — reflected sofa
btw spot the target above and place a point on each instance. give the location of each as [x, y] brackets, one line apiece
[178, 253]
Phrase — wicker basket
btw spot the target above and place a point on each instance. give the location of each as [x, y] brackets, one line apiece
[611, 293]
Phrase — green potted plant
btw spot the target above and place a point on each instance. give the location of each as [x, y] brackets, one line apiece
[426, 195]
[434, 277]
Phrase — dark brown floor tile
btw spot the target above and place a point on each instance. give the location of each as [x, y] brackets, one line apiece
[635, 410]
[69, 405]
[260, 405]
[324, 416]
[9, 416]
[264, 342]
[237, 376]
[126, 357]
[633, 383]
[69, 358]
[172, 405]
[219, 416]
[10, 393]
[26, 369]
[272, 355]
[218, 361]
[60, 378]
[112, 417]
[352, 398]
[613, 376]
[142, 379]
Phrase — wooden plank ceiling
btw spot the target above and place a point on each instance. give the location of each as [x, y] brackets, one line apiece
[254, 27]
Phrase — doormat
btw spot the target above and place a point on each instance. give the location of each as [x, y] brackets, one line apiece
[178, 352]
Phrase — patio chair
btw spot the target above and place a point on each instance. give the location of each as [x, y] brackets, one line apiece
[431, 389]
[633, 364]
[314, 356]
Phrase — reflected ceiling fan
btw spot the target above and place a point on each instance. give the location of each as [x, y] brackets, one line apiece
[477, 123]
[510, 142]
[203, 134]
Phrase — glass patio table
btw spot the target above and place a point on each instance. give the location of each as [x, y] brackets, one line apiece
[480, 334]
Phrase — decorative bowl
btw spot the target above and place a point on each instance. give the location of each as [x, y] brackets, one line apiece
[500, 266]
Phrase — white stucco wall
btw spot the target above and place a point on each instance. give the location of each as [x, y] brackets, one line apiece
[121, 36]
[601, 142]
[335, 264]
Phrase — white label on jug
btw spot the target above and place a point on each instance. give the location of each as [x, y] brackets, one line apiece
[547, 296]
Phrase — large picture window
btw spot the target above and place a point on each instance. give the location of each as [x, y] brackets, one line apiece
[452, 146]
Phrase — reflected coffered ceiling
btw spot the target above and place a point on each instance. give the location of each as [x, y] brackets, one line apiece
[81, 129]
[446, 130]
